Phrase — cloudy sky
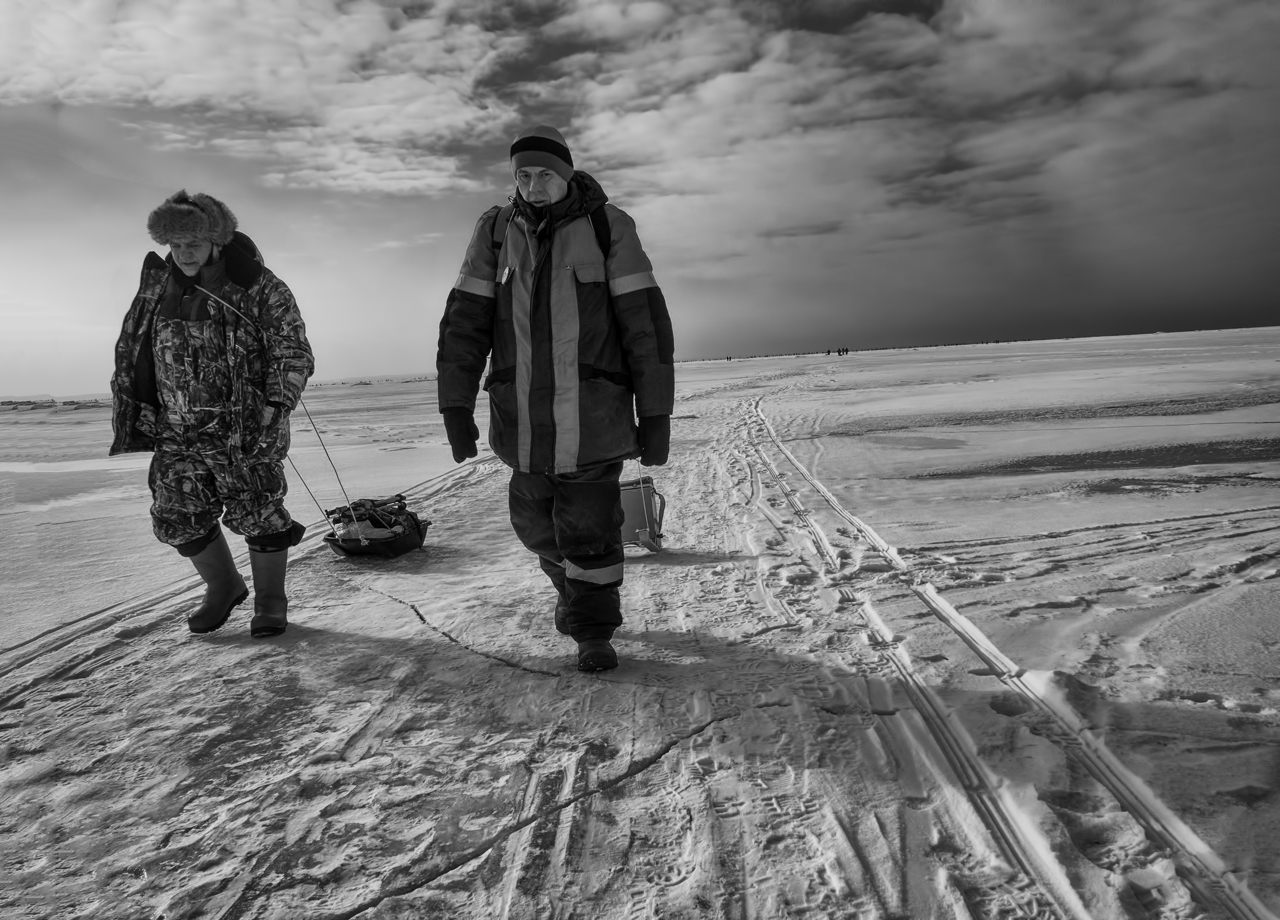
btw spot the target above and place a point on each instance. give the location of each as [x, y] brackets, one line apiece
[805, 175]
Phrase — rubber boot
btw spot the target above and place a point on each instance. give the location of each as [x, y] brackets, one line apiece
[555, 571]
[270, 605]
[224, 587]
[596, 655]
[562, 616]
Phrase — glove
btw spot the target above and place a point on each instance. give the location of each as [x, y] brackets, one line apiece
[655, 439]
[271, 414]
[460, 428]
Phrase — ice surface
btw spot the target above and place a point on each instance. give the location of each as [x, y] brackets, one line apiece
[792, 731]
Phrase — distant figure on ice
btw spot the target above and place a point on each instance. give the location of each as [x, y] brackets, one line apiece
[212, 358]
[558, 288]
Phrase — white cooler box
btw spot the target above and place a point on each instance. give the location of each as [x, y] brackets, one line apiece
[644, 507]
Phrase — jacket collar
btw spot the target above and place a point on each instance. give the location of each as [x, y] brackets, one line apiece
[585, 195]
[211, 274]
[241, 262]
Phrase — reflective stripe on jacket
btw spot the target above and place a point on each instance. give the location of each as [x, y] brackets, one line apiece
[577, 347]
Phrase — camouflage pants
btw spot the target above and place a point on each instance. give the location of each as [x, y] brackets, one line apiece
[193, 486]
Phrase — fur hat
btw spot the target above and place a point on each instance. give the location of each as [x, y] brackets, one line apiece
[198, 216]
[542, 145]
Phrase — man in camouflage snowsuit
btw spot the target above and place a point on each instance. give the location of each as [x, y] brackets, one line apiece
[212, 358]
[558, 293]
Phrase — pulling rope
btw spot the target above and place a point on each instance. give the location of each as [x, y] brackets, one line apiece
[333, 530]
[364, 541]
[644, 504]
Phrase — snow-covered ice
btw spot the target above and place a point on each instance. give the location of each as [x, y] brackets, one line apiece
[966, 632]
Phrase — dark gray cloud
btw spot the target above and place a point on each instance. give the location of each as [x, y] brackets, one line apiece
[832, 226]
[835, 16]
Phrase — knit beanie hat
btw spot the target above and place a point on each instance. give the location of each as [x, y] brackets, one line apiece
[542, 145]
[197, 216]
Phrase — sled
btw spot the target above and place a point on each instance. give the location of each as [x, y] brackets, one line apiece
[375, 527]
[365, 527]
[643, 506]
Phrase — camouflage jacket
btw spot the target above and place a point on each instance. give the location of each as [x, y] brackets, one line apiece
[265, 345]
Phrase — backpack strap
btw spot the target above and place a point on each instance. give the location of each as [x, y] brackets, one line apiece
[600, 223]
[500, 225]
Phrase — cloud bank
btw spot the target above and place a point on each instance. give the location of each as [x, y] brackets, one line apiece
[879, 166]
[968, 103]
[350, 96]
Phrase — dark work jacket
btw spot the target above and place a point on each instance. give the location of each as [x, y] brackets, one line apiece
[578, 346]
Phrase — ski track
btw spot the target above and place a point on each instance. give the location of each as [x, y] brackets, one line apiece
[419, 744]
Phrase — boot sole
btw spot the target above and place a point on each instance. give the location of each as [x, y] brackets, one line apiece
[260, 630]
[226, 616]
[266, 632]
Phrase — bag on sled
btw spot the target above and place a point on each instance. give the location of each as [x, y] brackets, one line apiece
[643, 506]
[375, 527]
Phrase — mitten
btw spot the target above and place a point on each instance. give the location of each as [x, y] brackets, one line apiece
[655, 439]
[273, 431]
[460, 428]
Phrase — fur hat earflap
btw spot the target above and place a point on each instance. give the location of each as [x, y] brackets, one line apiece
[197, 216]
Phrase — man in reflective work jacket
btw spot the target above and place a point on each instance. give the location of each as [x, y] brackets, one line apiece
[564, 302]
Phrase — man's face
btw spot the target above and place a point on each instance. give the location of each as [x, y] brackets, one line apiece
[190, 254]
[540, 186]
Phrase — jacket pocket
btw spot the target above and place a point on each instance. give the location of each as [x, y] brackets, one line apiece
[502, 417]
[597, 333]
[502, 375]
[588, 372]
[606, 419]
[589, 273]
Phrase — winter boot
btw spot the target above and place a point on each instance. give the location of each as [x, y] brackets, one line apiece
[270, 605]
[224, 590]
[596, 655]
[562, 616]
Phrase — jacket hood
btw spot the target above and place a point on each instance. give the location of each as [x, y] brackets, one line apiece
[589, 191]
[585, 195]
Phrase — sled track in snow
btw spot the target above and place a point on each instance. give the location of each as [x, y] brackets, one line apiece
[1049, 714]
[112, 629]
[718, 783]
[1045, 890]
